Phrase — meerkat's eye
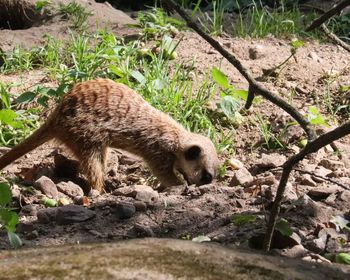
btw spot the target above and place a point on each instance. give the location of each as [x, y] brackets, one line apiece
[206, 178]
[192, 153]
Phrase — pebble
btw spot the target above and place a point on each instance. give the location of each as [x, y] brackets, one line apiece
[271, 160]
[46, 186]
[241, 177]
[125, 210]
[143, 230]
[70, 214]
[256, 52]
[69, 188]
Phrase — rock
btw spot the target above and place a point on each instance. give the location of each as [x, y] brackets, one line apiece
[316, 258]
[289, 194]
[30, 210]
[241, 177]
[70, 189]
[24, 227]
[333, 165]
[125, 210]
[32, 235]
[16, 192]
[345, 195]
[297, 251]
[308, 207]
[46, 186]
[256, 52]
[143, 230]
[314, 56]
[65, 167]
[69, 214]
[235, 164]
[322, 172]
[271, 160]
[317, 245]
[305, 179]
[82, 200]
[206, 188]
[146, 194]
[63, 201]
[322, 192]
[140, 206]
[47, 215]
[127, 191]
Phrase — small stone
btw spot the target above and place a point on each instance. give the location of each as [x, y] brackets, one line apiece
[29, 210]
[206, 188]
[46, 186]
[241, 177]
[322, 172]
[82, 200]
[143, 230]
[306, 180]
[127, 191]
[271, 160]
[47, 215]
[146, 194]
[297, 251]
[125, 210]
[70, 189]
[69, 214]
[140, 206]
[32, 235]
[333, 165]
[322, 192]
[63, 201]
[235, 164]
[256, 52]
[317, 245]
[24, 227]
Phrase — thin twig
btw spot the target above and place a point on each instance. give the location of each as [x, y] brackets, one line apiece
[254, 86]
[315, 175]
[334, 38]
[311, 147]
[327, 15]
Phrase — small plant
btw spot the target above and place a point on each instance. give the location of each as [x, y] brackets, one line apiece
[8, 218]
[155, 23]
[271, 141]
[75, 13]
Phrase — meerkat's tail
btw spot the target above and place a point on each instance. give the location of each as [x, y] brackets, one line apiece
[39, 137]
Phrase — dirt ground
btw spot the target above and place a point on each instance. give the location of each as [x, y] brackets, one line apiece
[186, 212]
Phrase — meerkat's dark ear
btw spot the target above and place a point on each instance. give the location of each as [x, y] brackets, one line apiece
[193, 152]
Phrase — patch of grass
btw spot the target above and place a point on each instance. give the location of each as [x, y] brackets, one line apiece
[75, 13]
[259, 21]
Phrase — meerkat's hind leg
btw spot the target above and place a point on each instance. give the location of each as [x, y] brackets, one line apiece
[93, 165]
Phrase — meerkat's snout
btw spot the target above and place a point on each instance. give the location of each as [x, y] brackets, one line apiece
[198, 162]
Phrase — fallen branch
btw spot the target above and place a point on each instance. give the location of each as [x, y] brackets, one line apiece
[254, 86]
[327, 15]
[334, 38]
[311, 147]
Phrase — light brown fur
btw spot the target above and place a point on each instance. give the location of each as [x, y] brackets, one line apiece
[100, 113]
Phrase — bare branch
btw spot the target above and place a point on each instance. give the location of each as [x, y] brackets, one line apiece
[311, 147]
[327, 15]
[334, 38]
[254, 86]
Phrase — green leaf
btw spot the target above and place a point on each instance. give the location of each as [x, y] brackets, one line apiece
[15, 241]
[26, 97]
[283, 227]
[220, 78]
[8, 116]
[229, 106]
[5, 194]
[138, 77]
[241, 219]
[12, 221]
[315, 117]
[241, 93]
[297, 44]
[343, 258]
[115, 70]
[340, 222]
[49, 202]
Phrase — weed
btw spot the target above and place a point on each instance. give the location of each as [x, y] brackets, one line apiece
[75, 13]
[8, 218]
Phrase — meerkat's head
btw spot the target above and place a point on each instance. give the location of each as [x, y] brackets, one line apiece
[197, 160]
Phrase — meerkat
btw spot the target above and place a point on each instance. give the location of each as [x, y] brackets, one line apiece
[100, 114]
